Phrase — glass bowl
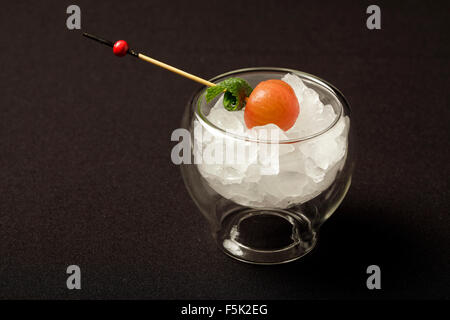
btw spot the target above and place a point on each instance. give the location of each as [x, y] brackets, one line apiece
[271, 214]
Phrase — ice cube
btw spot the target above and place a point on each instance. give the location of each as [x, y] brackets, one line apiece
[226, 120]
[271, 132]
[296, 83]
[284, 185]
[293, 161]
[313, 171]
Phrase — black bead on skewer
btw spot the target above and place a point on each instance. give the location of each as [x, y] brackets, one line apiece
[120, 47]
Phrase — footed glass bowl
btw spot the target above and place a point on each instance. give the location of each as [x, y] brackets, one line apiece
[266, 195]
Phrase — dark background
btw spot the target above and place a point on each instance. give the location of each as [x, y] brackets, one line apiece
[85, 170]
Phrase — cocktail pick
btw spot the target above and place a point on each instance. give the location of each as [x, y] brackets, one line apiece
[121, 48]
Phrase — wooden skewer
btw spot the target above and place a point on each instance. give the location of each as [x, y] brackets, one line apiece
[176, 70]
[148, 59]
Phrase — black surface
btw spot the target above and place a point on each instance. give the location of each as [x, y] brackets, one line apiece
[85, 170]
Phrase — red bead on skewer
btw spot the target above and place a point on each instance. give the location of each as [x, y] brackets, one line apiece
[120, 48]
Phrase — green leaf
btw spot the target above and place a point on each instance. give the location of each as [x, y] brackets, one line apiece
[212, 92]
[229, 101]
[236, 90]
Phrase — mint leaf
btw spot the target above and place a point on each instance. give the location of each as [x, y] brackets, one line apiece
[229, 101]
[212, 92]
[236, 90]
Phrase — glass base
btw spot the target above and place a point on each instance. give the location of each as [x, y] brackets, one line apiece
[266, 236]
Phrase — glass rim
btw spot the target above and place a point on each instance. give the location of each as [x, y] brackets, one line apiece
[338, 94]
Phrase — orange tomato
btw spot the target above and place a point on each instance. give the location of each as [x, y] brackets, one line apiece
[272, 101]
